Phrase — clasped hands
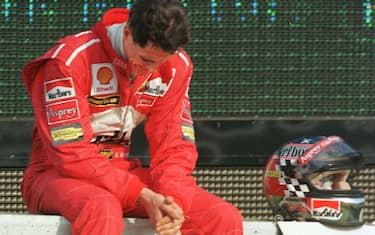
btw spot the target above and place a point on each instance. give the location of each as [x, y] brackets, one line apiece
[164, 213]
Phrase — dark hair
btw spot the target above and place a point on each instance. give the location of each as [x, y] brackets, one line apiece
[162, 22]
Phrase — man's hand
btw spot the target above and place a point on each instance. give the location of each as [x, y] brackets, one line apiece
[165, 215]
[168, 225]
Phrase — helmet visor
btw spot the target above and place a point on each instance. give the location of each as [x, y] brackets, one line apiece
[337, 156]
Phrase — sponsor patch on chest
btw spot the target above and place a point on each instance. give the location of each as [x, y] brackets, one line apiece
[104, 101]
[57, 89]
[104, 79]
[146, 101]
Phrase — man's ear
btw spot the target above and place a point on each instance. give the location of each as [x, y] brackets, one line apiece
[126, 31]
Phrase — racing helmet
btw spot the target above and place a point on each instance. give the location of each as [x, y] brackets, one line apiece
[308, 179]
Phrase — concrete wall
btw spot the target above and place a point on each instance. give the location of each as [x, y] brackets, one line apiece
[22, 224]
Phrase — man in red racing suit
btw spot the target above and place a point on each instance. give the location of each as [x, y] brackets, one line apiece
[88, 94]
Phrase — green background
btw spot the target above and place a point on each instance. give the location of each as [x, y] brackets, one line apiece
[253, 59]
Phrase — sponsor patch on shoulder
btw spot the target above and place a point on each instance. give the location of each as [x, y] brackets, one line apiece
[60, 88]
[156, 87]
[187, 132]
[66, 134]
[104, 101]
[62, 112]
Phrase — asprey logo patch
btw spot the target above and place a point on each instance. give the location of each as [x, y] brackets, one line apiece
[59, 89]
[62, 112]
[325, 208]
[104, 79]
[146, 101]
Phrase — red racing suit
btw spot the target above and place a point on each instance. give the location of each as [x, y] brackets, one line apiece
[86, 108]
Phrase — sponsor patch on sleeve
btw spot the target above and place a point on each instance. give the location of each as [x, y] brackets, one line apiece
[62, 112]
[188, 132]
[66, 134]
[58, 89]
[186, 111]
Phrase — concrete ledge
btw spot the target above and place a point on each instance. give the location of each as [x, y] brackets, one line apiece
[315, 228]
[25, 224]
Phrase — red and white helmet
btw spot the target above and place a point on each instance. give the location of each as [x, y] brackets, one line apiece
[307, 179]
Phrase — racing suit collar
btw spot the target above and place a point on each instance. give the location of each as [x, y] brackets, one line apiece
[115, 18]
[116, 36]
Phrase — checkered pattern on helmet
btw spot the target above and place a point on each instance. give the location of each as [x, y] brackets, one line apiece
[284, 162]
[287, 166]
[294, 188]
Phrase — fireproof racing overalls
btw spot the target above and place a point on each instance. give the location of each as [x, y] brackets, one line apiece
[85, 109]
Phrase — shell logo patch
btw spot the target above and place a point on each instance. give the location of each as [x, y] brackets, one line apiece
[104, 79]
[104, 75]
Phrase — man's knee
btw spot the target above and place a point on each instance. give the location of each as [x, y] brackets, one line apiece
[94, 206]
[101, 213]
[227, 214]
[226, 220]
[221, 219]
[104, 205]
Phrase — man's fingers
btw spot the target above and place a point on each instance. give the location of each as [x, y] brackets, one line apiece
[169, 200]
[163, 221]
[168, 222]
[168, 226]
[172, 210]
[173, 218]
[171, 231]
[155, 215]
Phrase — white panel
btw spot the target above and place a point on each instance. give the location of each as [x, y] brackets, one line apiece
[316, 228]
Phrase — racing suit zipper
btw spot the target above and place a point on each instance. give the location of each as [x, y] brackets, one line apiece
[128, 104]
